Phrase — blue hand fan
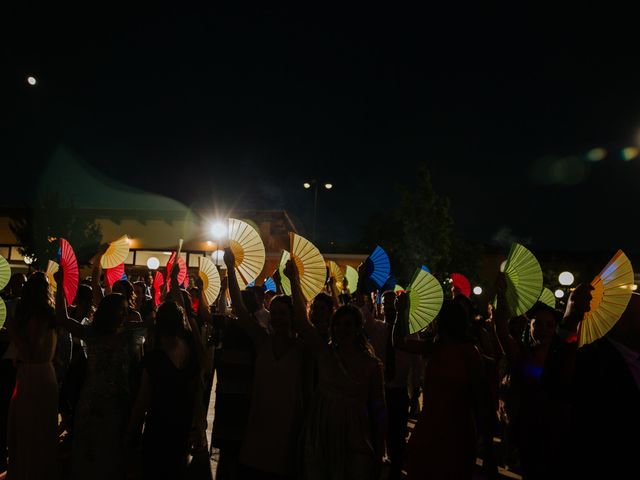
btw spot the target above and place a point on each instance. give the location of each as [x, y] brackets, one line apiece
[426, 269]
[269, 285]
[251, 284]
[378, 267]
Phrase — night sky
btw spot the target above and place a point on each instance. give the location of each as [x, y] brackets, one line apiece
[214, 107]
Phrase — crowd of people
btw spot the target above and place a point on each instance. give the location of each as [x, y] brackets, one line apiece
[317, 389]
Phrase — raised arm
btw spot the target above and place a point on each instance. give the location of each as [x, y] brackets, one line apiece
[246, 321]
[62, 317]
[96, 273]
[501, 316]
[401, 339]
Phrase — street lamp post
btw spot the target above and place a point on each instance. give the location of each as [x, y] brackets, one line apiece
[314, 183]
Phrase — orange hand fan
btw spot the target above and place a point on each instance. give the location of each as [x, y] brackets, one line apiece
[611, 293]
[248, 250]
[210, 280]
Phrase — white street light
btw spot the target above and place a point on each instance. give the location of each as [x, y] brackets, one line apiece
[306, 185]
[218, 230]
[477, 290]
[328, 186]
[153, 263]
[32, 81]
[566, 279]
[559, 293]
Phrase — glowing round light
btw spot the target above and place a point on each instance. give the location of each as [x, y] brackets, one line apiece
[218, 258]
[566, 278]
[32, 81]
[477, 290]
[559, 293]
[153, 263]
[596, 154]
[306, 185]
[328, 186]
[503, 265]
[630, 153]
[28, 260]
[218, 229]
[209, 243]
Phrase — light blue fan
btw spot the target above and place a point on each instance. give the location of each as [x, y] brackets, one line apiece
[378, 267]
[251, 284]
[269, 285]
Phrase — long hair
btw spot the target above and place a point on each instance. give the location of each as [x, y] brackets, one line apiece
[362, 342]
[171, 320]
[453, 321]
[106, 319]
[126, 288]
[36, 302]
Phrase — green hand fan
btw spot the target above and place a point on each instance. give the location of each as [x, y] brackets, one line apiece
[548, 298]
[351, 276]
[5, 272]
[425, 300]
[3, 313]
[284, 280]
[524, 279]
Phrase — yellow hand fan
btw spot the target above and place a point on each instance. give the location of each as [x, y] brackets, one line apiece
[5, 272]
[284, 280]
[548, 298]
[248, 249]
[52, 267]
[3, 313]
[116, 254]
[335, 272]
[310, 265]
[425, 300]
[524, 279]
[210, 280]
[611, 293]
[351, 275]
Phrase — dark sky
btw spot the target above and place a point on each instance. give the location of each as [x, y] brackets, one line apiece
[213, 106]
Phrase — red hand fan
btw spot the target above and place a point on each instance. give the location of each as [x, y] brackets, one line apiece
[461, 284]
[114, 274]
[71, 276]
[183, 268]
[158, 282]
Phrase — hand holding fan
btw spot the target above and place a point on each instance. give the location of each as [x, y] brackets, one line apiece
[248, 250]
[284, 280]
[425, 300]
[611, 293]
[69, 264]
[351, 276]
[182, 274]
[116, 253]
[524, 279]
[461, 284]
[210, 280]
[114, 274]
[158, 283]
[310, 265]
[335, 272]
[548, 298]
[378, 267]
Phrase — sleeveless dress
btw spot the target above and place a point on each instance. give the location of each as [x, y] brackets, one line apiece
[33, 413]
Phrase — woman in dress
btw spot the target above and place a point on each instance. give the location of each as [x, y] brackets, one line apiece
[33, 413]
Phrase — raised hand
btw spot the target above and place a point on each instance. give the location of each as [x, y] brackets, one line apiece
[291, 271]
[402, 303]
[229, 259]
[578, 304]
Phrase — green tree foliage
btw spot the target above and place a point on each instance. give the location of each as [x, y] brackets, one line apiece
[420, 232]
[39, 226]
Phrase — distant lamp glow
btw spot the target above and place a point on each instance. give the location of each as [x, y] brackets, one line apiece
[477, 290]
[566, 279]
[306, 185]
[596, 154]
[559, 293]
[503, 265]
[153, 263]
[218, 230]
[630, 153]
[32, 81]
[218, 258]
[328, 186]
[28, 260]
[634, 287]
[209, 243]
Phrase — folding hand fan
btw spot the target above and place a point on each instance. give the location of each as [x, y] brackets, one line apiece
[425, 268]
[524, 279]
[114, 274]
[71, 276]
[3, 313]
[210, 280]
[351, 276]
[270, 285]
[5, 272]
[284, 280]
[310, 265]
[52, 267]
[390, 284]
[548, 298]
[182, 274]
[378, 267]
[248, 250]
[611, 293]
[425, 300]
[398, 288]
[336, 273]
[461, 284]
[251, 284]
[116, 253]
[158, 283]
